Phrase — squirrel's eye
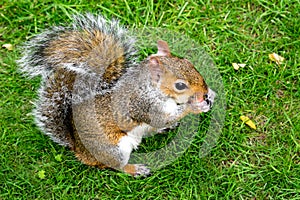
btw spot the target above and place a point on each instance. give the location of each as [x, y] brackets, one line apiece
[180, 86]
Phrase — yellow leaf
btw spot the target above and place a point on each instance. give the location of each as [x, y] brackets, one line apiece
[8, 46]
[247, 121]
[276, 58]
[236, 66]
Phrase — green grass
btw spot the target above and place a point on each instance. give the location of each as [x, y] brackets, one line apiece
[245, 163]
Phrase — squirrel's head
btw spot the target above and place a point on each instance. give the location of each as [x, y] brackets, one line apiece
[178, 79]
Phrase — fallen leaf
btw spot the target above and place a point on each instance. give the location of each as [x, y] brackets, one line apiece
[9, 47]
[236, 66]
[41, 174]
[248, 121]
[276, 58]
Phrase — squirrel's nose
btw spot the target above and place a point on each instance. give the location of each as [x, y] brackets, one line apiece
[199, 97]
[206, 99]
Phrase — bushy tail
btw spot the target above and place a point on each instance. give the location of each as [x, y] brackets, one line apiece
[75, 62]
[90, 44]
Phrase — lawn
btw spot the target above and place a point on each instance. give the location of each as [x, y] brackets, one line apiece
[244, 164]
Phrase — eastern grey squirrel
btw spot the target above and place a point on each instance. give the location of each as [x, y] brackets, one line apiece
[96, 99]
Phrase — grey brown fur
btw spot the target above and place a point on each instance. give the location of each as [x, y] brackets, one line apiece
[97, 100]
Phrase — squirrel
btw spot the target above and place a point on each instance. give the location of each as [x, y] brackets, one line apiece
[96, 99]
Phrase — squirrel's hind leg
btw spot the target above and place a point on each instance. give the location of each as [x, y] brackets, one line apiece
[125, 145]
[119, 159]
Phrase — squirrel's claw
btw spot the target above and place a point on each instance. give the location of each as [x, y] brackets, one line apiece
[141, 170]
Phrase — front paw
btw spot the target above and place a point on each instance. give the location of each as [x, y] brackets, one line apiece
[201, 107]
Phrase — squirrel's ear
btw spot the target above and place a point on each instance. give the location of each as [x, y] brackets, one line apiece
[163, 48]
[156, 70]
